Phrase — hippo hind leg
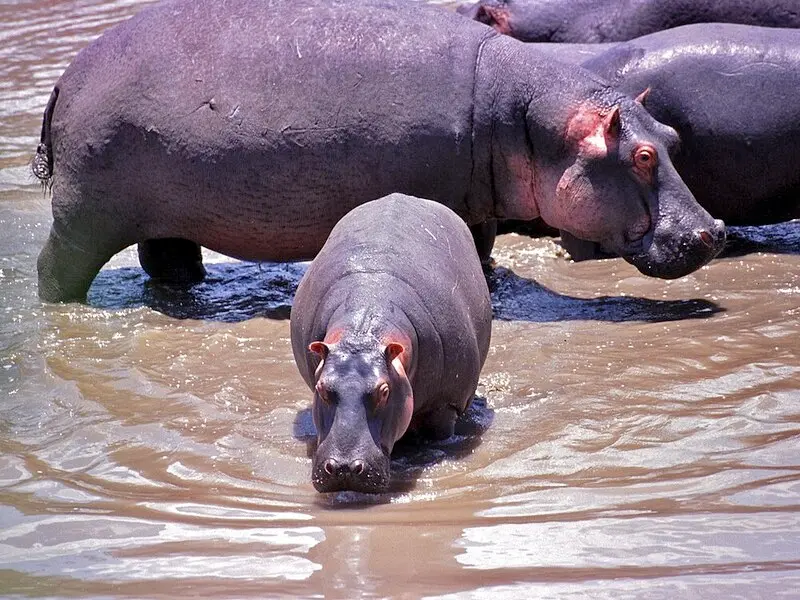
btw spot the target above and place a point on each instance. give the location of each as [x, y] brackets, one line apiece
[66, 270]
[172, 260]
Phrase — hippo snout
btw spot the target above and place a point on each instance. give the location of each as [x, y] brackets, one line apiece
[669, 256]
[335, 474]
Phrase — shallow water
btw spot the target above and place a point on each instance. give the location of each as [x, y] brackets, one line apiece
[633, 438]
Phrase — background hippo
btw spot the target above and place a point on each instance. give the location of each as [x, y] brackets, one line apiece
[254, 132]
[390, 327]
[730, 91]
[593, 21]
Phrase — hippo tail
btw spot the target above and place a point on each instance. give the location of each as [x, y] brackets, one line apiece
[42, 164]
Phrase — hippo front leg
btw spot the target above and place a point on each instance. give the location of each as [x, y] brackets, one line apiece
[172, 260]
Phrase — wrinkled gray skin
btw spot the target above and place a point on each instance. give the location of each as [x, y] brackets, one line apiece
[396, 296]
[597, 21]
[253, 132]
[730, 91]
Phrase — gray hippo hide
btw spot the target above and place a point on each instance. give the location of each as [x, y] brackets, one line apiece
[251, 128]
[730, 91]
[597, 21]
[390, 327]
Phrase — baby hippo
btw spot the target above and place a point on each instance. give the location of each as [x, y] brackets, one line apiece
[390, 327]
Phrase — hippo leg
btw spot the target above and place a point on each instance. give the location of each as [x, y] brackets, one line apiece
[484, 234]
[66, 270]
[439, 424]
[172, 260]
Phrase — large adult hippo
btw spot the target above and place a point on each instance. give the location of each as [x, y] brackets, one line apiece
[251, 128]
[595, 21]
[390, 327]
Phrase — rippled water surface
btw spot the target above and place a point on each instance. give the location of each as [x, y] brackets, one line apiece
[633, 438]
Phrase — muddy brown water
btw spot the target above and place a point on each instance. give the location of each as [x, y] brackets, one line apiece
[633, 438]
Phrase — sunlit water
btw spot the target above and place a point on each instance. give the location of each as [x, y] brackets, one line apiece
[633, 438]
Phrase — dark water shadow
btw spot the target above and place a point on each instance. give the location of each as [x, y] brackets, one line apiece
[231, 292]
[516, 298]
[780, 238]
[411, 455]
[237, 291]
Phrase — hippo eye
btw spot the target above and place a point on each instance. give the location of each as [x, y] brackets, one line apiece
[322, 392]
[645, 158]
[381, 395]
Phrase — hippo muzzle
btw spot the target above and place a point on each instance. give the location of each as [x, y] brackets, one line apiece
[340, 465]
[668, 256]
[684, 236]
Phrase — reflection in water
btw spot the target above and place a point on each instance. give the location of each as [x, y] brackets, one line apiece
[632, 438]
[238, 291]
[781, 238]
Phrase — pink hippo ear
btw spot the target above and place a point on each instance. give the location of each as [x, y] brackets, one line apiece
[396, 357]
[494, 17]
[393, 350]
[595, 132]
[643, 96]
[320, 348]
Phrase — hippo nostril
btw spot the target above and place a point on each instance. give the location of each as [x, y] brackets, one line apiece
[357, 467]
[706, 238]
[330, 466]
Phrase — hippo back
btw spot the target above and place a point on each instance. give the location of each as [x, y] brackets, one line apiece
[597, 21]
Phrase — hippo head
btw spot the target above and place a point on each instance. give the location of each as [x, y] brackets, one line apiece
[363, 404]
[616, 185]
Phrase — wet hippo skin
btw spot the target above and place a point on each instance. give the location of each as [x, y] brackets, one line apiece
[390, 327]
